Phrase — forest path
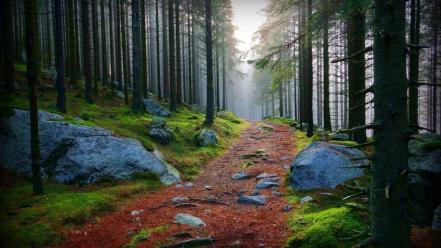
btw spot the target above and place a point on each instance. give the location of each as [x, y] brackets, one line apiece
[229, 223]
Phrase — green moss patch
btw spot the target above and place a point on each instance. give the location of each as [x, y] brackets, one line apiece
[38, 221]
[143, 235]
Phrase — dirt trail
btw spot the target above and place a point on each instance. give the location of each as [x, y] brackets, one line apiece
[230, 224]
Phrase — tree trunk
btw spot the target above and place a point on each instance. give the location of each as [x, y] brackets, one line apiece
[190, 76]
[389, 181]
[308, 79]
[209, 118]
[136, 53]
[356, 73]
[144, 64]
[171, 37]
[59, 56]
[33, 77]
[178, 56]
[86, 51]
[118, 45]
[165, 55]
[8, 44]
[104, 45]
[96, 48]
[125, 55]
[158, 60]
[112, 48]
[326, 107]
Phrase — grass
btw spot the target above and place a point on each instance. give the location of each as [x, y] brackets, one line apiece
[327, 221]
[302, 141]
[39, 221]
[144, 234]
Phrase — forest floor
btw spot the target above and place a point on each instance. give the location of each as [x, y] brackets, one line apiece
[214, 199]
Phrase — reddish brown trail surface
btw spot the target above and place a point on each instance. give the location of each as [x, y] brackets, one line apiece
[229, 224]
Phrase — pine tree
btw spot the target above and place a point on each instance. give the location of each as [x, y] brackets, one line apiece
[33, 77]
[136, 53]
[85, 26]
[96, 48]
[209, 117]
[8, 44]
[172, 66]
[59, 56]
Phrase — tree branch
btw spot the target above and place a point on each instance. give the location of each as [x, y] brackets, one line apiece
[366, 50]
[359, 128]
[361, 105]
[362, 145]
[365, 91]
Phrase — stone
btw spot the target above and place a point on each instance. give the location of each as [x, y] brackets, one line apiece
[255, 192]
[208, 187]
[188, 185]
[206, 137]
[277, 193]
[325, 165]
[136, 212]
[154, 108]
[73, 153]
[179, 200]
[424, 179]
[240, 176]
[339, 136]
[120, 94]
[265, 175]
[306, 199]
[159, 131]
[190, 220]
[252, 200]
[172, 175]
[287, 208]
[436, 223]
[266, 185]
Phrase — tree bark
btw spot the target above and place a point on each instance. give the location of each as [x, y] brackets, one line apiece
[165, 55]
[8, 45]
[96, 48]
[86, 51]
[158, 60]
[356, 73]
[136, 53]
[308, 79]
[171, 40]
[33, 77]
[389, 181]
[104, 45]
[209, 117]
[178, 55]
[59, 56]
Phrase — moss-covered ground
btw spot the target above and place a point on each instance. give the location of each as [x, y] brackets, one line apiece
[328, 220]
[37, 221]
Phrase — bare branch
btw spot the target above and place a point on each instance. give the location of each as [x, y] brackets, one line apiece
[359, 128]
[366, 50]
[361, 105]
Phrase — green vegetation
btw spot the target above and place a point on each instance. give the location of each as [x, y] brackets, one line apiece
[344, 142]
[328, 220]
[302, 141]
[144, 234]
[27, 220]
[282, 120]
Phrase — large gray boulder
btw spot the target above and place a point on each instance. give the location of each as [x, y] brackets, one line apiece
[159, 131]
[206, 137]
[73, 153]
[154, 108]
[424, 180]
[325, 165]
[436, 223]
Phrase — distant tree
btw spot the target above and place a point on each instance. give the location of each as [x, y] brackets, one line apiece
[158, 54]
[88, 92]
[125, 54]
[33, 77]
[209, 117]
[165, 66]
[59, 56]
[8, 44]
[136, 53]
[104, 43]
[178, 55]
[118, 59]
[112, 47]
[414, 38]
[144, 63]
[308, 74]
[96, 48]
[172, 66]
[326, 107]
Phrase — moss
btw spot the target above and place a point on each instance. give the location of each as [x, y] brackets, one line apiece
[144, 234]
[302, 141]
[62, 206]
[282, 120]
[324, 228]
[431, 145]
[343, 142]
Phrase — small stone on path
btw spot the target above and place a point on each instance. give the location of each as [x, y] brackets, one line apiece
[240, 176]
[266, 175]
[252, 200]
[190, 220]
[266, 185]
[306, 199]
[179, 200]
[136, 212]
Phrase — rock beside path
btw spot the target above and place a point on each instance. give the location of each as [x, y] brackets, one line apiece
[206, 137]
[252, 200]
[190, 220]
[154, 108]
[324, 165]
[240, 176]
[74, 153]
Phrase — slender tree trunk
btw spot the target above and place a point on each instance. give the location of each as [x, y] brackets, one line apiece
[171, 37]
[59, 56]
[143, 40]
[125, 55]
[355, 40]
[33, 77]
[217, 78]
[224, 79]
[112, 48]
[178, 55]
[86, 51]
[190, 76]
[414, 38]
[96, 48]
[137, 57]
[158, 60]
[104, 44]
[165, 55]
[209, 118]
[281, 114]
[389, 181]
[326, 106]
[8, 44]
[308, 80]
